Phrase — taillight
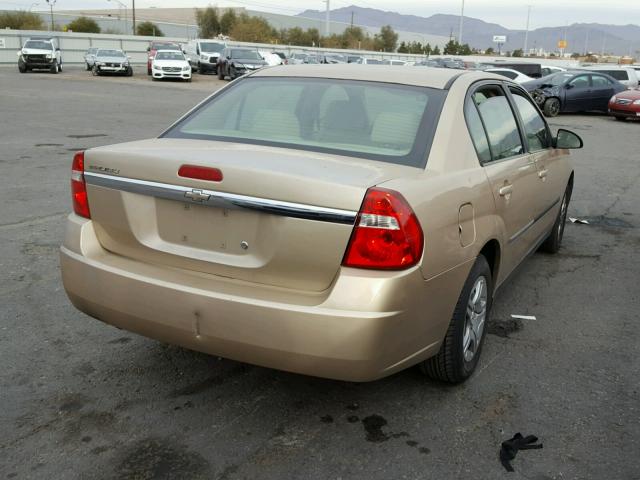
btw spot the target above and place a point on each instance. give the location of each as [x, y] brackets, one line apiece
[79, 187]
[387, 234]
[200, 173]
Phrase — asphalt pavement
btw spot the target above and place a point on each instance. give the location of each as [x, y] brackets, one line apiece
[80, 399]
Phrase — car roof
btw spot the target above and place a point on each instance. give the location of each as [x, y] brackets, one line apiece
[439, 78]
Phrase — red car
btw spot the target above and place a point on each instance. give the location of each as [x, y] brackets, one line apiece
[625, 105]
[155, 46]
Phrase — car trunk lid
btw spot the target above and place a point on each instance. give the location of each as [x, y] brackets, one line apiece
[279, 217]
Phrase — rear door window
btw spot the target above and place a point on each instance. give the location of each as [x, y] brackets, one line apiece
[499, 122]
[599, 81]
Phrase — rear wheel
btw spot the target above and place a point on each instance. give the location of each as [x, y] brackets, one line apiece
[553, 241]
[462, 344]
[551, 107]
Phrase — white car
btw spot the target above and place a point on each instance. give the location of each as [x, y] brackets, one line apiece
[625, 74]
[272, 59]
[170, 64]
[548, 70]
[514, 75]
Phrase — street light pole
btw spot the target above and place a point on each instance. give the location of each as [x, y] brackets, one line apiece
[460, 26]
[133, 9]
[526, 32]
[51, 3]
[123, 5]
[327, 19]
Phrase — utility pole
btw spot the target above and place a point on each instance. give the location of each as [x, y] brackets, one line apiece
[327, 19]
[351, 19]
[526, 32]
[133, 9]
[604, 42]
[460, 26]
[586, 43]
[51, 3]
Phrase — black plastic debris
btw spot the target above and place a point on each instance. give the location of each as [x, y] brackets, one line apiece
[510, 448]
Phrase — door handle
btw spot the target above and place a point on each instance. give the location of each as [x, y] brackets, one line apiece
[506, 190]
[543, 173]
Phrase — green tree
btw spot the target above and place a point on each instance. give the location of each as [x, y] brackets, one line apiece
[489, 51]
[84, 24]
[427, 49]
[253, 29]
[228, 21]
[21, 20]
[464, 49]
[149, 29]
[517, 53]
[436, 50]
[451, 48]
[386, 40]
[403, 48]
[208, 22]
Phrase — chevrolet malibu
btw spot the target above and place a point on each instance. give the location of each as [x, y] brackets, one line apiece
[330, 220]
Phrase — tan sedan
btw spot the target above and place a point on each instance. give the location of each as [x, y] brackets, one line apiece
[342, 221]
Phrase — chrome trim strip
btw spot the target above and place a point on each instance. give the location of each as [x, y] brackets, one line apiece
[515, 236]
[221, 199]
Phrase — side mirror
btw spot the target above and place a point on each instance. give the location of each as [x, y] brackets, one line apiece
[57, 49]
[569, 86]
[567, 139]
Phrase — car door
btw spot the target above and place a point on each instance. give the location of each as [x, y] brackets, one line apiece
[601, 91]
[510, 170]
[538, 143]
[577, 94]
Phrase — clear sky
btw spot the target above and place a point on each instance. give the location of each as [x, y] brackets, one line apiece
[509, 13]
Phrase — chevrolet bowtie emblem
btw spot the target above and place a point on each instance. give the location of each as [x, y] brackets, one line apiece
[197, 195]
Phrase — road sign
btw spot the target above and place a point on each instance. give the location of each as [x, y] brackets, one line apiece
[499, 39]
[562, 44]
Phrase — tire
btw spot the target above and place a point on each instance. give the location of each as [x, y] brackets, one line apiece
[60, 66]
[551, 107]
[232, 73]
[95, 72]
[454, 363]
[22, 68]
[129, 72]
[554, 240]
[620, 119]
[88, 67]
[55, 68]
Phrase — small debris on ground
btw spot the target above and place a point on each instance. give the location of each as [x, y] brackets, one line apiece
[510, 448]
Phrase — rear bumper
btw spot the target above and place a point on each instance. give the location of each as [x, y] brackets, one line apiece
[366, 326]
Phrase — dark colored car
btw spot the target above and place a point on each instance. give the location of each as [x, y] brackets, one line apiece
[573, 91]
[235, 62]
[155, 46]
[625, 105]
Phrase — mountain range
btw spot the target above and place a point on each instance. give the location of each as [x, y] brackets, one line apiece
[581, 37]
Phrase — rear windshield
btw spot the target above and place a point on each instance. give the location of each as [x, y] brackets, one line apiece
[379, 121]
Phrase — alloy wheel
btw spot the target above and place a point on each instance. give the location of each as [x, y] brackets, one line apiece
[475, 317]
